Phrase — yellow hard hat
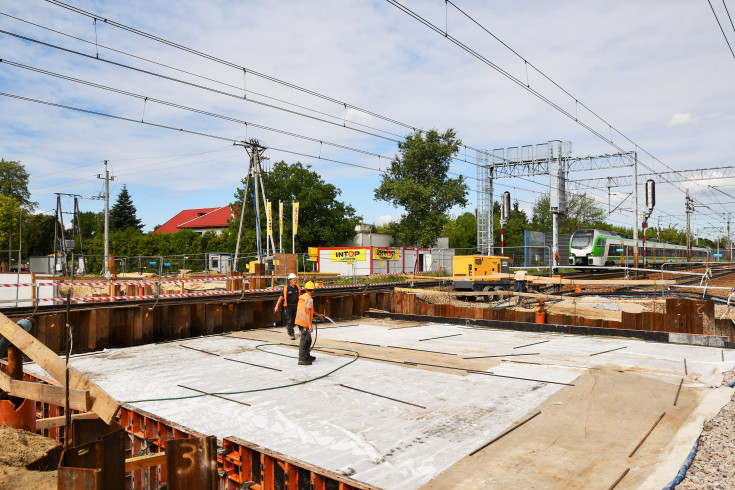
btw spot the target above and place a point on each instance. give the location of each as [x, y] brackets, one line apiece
[309, 286]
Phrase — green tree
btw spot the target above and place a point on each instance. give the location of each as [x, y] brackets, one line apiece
[14, 182]
[582, 212]
[123, 214]
[38, 234]
[92, 224]
[517, 223]
[9, 208]
[387, 228]
[417, 181]
[323, 220]
[462, 233]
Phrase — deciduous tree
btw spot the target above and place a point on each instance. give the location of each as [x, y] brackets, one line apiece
[14, 182]
[323, 220]
[417, 181]
[582, 212]
[462, 233]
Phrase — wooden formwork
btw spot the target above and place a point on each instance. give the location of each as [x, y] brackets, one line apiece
[688, 316]
[124, 325]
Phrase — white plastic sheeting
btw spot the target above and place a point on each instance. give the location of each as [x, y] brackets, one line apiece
[374, 440]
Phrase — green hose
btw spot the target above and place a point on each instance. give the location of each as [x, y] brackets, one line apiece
[258, 347]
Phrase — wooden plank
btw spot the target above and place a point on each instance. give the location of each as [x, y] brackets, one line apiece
[47, 423]
[56, 395]
[570, 299]
[102, 403]
[146, 461]
[572, 282]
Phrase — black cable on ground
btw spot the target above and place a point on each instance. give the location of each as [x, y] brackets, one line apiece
[258, 347]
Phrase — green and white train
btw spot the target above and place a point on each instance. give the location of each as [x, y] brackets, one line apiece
[602, 248]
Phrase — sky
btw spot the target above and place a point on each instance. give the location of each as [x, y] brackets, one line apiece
[655, 77]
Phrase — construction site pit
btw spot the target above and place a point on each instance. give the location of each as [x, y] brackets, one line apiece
[395, 404]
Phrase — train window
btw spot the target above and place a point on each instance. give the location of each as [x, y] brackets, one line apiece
[581, 241]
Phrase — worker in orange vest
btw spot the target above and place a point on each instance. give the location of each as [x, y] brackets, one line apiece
[290, 300]
[304, 314]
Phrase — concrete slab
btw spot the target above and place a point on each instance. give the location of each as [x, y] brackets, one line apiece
[611, 402]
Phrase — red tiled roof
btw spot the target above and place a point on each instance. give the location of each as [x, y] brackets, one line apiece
[197, 218]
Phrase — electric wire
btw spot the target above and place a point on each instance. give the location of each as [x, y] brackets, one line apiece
[180, 70]
[728, 15]
[230, 64]
[292, 86]
[533, 91]
[720, 25]
[527, 87]
[240, 68]
[202, 87]
[190, 109]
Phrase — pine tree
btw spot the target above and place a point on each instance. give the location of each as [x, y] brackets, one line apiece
[123, 213]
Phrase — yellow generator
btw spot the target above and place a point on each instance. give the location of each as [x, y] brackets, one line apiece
[474, 268]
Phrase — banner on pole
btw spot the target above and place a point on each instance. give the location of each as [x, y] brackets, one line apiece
[280, 218]
[295, 217]
[270, 218]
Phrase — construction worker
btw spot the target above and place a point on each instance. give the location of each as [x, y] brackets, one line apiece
[290, 300]
[304, 313]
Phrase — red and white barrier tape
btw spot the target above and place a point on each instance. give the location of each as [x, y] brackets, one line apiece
[176, 281]
[187, 295]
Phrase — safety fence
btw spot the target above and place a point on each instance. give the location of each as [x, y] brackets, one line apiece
[40, 290]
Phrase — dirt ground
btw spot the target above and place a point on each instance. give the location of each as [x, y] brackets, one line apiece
[19, 448]
[89, 291]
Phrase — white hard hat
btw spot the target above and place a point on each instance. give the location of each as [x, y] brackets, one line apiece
[292, 276]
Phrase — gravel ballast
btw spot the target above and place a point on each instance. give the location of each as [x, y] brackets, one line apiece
[714, 465]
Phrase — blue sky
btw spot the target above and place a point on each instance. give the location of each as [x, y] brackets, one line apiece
[658, 71]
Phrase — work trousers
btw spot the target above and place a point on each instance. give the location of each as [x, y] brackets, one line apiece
[304, 344]
[289, 316]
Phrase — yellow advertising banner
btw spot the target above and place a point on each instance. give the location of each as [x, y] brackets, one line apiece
[385, 254]
[348, 255]
[295, 217]
[280, 218]
[314, 253]
[270, 218]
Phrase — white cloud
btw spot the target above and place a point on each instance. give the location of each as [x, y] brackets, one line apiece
[371, 55]
[682, 119]
[385, 219]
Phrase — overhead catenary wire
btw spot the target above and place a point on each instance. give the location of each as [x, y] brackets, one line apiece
[530, 89]
[720, 26]
[239, 68]
[333, 99]
[164, 126]
[169, 78]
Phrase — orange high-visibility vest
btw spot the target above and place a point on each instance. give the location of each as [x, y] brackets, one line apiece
[304, 314]
[285, 290]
